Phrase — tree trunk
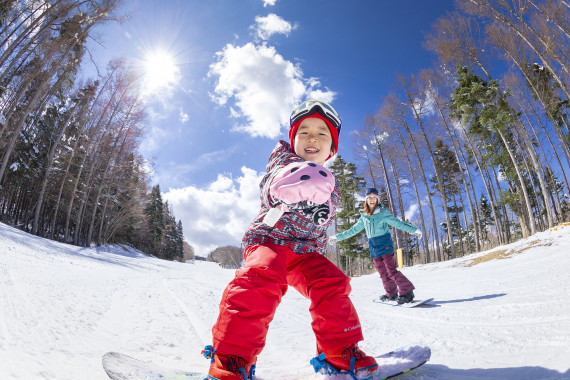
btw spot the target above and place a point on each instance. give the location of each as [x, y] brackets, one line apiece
[473, 210]
[50, 159]
[544, 154]
[39, 94]
[391, 205]
[464, 219]
[436, 169]
[538, 168]
[506, 21]
[487, 189]
[398, 193]
[425, 240]
[428, 192]
[19, 125]
[552, 18]
[370, 169]
[540, 174]
[521, 183]
[102, 222]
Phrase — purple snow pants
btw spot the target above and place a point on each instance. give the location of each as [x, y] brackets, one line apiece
[392, 279]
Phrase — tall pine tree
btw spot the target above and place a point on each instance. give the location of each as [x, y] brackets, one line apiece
[483, 106]
[350, 185]
[156, 223]
[449, 171]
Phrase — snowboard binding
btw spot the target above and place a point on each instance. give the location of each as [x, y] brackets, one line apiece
[322, 366]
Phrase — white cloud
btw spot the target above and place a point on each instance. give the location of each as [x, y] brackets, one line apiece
[264, 88]
[271, 24]
[411, 211]
[429, 103]
[315, 93]
[221, 184]
[501, 177]
[183, 116]
[426, 106]
[234, 113]
[218, 214]
[269, 2]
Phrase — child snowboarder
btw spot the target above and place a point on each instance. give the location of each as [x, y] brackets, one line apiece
[376, 221]
[284, 247]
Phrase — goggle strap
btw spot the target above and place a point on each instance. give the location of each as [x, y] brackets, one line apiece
[308, 105]
[334, 119]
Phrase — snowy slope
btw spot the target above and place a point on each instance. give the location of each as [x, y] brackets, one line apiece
[63, 307]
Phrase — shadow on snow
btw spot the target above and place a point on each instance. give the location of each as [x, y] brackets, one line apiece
[441, 372]
[478, 298]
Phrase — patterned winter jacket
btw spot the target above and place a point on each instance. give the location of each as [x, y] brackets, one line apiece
[302, 227]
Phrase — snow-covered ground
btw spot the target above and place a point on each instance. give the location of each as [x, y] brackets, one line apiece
[62, 307]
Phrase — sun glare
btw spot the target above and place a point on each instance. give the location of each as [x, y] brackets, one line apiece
[160, 71]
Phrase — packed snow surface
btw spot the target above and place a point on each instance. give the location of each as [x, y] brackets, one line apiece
[62, 307]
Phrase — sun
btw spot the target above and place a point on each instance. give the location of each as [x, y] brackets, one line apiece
[160, 71]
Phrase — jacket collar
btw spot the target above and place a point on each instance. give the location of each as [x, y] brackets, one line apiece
[377, 210]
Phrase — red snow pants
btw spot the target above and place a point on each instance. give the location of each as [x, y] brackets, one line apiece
[392, 279]
[251, 298]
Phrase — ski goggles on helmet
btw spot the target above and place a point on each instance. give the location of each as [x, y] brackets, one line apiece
[371, 190]
[312, 106]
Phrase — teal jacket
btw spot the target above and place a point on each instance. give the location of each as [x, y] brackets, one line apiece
[377, 224]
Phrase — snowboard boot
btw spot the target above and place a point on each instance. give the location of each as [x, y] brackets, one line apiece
[347, 359]
[229, 367]
[408, 297]
[386, 297]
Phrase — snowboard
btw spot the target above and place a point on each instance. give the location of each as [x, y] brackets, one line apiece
[400, 361]
[123, 367]
[414, 303]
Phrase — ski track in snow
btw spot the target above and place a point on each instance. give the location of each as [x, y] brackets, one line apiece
[62, 307]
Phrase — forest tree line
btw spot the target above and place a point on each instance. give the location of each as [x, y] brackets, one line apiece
[69, 163]
[486, 154]
[481, 140]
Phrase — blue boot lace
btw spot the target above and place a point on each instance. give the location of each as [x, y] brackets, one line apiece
[209, 352]
[321, 365]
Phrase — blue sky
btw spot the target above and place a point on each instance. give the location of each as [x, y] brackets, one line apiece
[222, 76]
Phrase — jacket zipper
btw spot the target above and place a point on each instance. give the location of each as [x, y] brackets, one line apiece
[306, 236]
